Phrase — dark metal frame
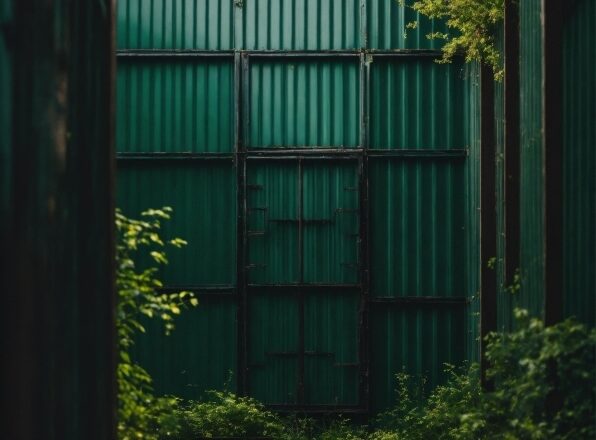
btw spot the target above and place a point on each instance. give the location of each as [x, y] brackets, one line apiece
[488, 216]
[243, 154]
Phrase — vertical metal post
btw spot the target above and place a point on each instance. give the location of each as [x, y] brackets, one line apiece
[241, 130]
[512, 139]
[488, 224]
[364, 249]
[301, 329]
[552, 99]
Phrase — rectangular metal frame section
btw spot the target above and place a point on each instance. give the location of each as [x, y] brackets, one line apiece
[241, 155]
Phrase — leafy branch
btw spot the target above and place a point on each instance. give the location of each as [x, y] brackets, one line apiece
[471, 25]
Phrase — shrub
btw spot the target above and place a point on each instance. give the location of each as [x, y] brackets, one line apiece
[225, 414]
[140, 413]
[544, 388]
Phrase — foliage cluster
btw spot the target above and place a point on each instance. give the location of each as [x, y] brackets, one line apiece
[471, 25]
[139, 298]
[544, 388]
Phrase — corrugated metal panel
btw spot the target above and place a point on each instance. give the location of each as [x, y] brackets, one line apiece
[417, 228]
[178, 362]
[386, 27]
[331, 223]
[416, 340]
[330, 348]
[178, 106]
[273, 203]
[580, 161]
[331, 340]
[304, 103]
[416, 104]
[5, 114]
[273, 331]
[175, 24]
[531, 178]
[321, 199]
[204, 218]
[298, 24]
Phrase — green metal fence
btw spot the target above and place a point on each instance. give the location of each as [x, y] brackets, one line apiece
[323, 168]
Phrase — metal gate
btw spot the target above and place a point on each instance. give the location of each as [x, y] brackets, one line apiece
[324, 193]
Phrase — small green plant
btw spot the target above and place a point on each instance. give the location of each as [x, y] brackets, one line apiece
[471, 25]
[224, 414]
[140, 413]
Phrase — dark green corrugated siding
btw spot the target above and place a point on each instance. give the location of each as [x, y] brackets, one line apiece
[175, 24]
[327, 202]
[331, 335]
[416, 104]
[186, 106]
[298, 24]
[532, 178]
[416, 340]
[301, 103]
[178, 362]
[5, 115]
[203, 217]
[386, 27]
[273, 204]
[331, 223]
[178, 106]
[273, 331]
[330, 343]
[580, 162]
[417, 227]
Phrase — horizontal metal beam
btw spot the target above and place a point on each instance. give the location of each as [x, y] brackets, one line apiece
[305, 288]
[174, 156]
[419, 153]
[158, 53]
[190, 53]
[229, 291]
[420, 300]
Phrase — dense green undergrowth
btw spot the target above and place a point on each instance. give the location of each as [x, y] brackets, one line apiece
[543, 378]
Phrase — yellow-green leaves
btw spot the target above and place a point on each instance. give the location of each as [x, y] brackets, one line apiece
[140, 297]
[471, 25]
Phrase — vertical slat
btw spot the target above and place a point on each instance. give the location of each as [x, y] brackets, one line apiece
[552, 98]
[488, 227]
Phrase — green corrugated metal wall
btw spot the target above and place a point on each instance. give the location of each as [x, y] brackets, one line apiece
[579, 143]
[531, 160]
[579, 184]
[301, 214]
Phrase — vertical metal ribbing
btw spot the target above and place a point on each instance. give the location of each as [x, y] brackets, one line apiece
[363, 24]
[240, 97]
[301, 329]
[364, 275]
